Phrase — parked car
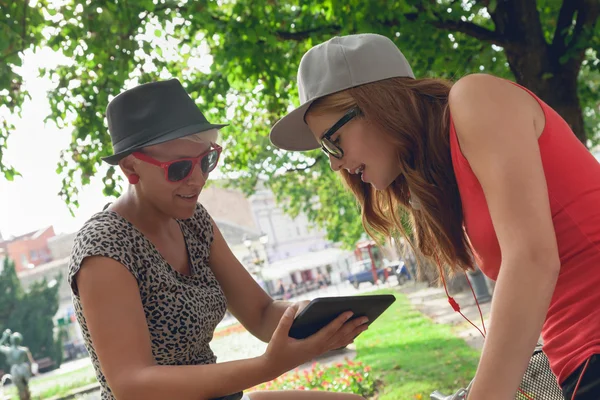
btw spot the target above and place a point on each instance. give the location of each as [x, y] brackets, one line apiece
[361, 271]
[400, 269]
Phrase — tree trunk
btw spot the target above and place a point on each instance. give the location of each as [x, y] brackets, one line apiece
[541, 66]
[426, 271]
[562, 96]
[555, 85]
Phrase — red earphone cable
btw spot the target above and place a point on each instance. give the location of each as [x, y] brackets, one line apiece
[456, 307]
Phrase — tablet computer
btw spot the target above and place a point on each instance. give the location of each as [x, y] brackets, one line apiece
[322, 310]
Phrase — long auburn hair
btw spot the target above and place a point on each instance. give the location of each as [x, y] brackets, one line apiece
[414, 116]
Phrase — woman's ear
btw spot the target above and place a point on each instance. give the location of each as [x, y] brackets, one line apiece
[127, 165]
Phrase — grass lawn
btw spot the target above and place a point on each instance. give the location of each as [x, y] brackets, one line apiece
[408, 353]
[56, 385]
[414, 356]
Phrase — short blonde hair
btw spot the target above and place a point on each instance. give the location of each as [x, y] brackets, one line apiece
[209, 136]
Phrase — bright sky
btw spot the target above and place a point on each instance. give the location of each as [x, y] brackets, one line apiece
[31, 202]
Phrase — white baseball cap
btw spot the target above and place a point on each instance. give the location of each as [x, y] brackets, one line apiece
[338, 64]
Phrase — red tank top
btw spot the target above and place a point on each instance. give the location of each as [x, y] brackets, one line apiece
[571, 331]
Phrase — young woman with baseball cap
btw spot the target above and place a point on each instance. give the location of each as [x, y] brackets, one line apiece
[482, 164]
[152, 276]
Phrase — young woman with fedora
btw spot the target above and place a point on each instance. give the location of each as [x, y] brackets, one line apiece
[152, 276]
[482, 164]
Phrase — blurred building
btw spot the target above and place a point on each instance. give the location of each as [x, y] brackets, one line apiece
[256, 226]
[271, 245]
[287, 236]
[29, 250]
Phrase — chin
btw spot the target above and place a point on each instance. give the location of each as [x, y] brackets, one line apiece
[182, 213]
[386, 180]
[381, 185]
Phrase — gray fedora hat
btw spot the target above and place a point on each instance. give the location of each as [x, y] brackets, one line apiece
[150, 114]
[338, 64]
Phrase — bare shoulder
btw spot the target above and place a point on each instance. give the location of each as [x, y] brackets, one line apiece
[473, 84]
[482, 92]
[483, 105]
[99, 269]
[114, 315]
[103, 281]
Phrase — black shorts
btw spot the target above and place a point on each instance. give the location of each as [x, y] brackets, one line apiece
[589, 386]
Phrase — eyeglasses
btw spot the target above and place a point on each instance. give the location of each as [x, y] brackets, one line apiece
[178, 170]
[331, 147]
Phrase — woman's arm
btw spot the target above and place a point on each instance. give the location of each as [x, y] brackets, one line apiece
[115, 318]
[495, 124]
[117, 324]
[247, 301]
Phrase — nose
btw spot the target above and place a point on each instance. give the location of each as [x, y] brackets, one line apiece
[197, 177]
[335, 163]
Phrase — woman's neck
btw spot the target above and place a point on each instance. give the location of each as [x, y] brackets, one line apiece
[141, 213]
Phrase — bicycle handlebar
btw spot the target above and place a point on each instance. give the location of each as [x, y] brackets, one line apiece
[437, 396]
[461, 394]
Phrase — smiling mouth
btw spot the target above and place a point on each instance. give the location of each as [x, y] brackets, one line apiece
[358, 170]
[188, 197]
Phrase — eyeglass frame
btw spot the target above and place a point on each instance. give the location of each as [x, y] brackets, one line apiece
[166, 164]
[347, 117]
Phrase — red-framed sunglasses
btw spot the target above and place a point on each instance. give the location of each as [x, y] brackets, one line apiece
[178, 170]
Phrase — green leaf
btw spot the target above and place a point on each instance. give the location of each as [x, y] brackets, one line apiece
[29, 311]
[255, 47]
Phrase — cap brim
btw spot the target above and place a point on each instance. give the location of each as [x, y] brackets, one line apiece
[292, 133]
[176, 134]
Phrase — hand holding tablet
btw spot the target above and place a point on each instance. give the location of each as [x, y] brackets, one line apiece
[323, 310]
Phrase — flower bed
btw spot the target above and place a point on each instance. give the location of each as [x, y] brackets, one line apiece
[229, 330]
[347, 377]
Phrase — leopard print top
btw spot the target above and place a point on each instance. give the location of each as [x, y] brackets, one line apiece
[182, 311]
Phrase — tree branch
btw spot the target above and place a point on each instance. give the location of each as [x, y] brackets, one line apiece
[468, 28]
[519, 22]
[8, 55]
[471, 29]
[303, 35]
[282, 35]
[484, 3]
[24, 34]
[564, 22]
[587, 16]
